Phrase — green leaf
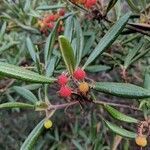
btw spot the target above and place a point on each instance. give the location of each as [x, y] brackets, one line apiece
[147, 80]
[27, 6]
[33, 137]
[132, 54]
[16, 72]
[69, 28]
[77, 144]
[89, 39]
[97, 68]
[141, 54]
[120, 116]
[7, 46]
[118, 9]
[20, 24]
[67, 53]
[133, 6]
[111, 5]
[26, 94]
[51, 66]
[31, 48]
[120, 131]
[145, 103]
[32, 86]
[2, 31]
[79, 41]
[16, 105]
[50, 41]
[122, 89]
[50, 7]
[34, 55]
[108, 39]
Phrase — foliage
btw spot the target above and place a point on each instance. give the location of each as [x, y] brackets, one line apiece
[108, 47]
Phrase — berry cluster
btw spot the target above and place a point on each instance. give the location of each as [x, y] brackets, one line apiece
[86, 3]
[49, 20]
[76, 79]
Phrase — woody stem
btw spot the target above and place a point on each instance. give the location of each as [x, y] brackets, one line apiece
[61, 106]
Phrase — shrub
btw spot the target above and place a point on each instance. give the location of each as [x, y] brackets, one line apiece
[53, 57]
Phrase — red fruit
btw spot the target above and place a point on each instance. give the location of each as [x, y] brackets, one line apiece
[46, 20]
[90, 3]
[62, 79]
[61, 12]
[79, 74]
[65, 91]
[50, 25]
[51, 18]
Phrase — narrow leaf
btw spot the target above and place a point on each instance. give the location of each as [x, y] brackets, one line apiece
[7, 46]
[77, 144]
[147, 80]
[50, 7]
[16, 105]
[51, 66]
[111, 5]
[26, 94]
[97, 68]
[2, 31]
[34, 55]
[31, 48]
[89, 39]
[120, 116]
[12, 71]
[69, 28]
[27, 6]
[67, 53]
[141, 54]
[79, 41]
[120, 131]
[50, 41]
[108, 39]
[133, 6]
[132, 54]
[122, 89]
[33, 136]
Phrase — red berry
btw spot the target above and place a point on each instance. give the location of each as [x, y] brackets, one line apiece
[50, 25]
[61, 12]
[65, 91]
[51, 18]
[62, 79]
[46, 20]
[90, 3]
[79, 74]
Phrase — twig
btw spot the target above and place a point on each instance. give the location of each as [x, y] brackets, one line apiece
[61, 106]
[7, 86]
[117, 105]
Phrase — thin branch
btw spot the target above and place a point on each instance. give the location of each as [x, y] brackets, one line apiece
[117, 105]
[61, 106]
